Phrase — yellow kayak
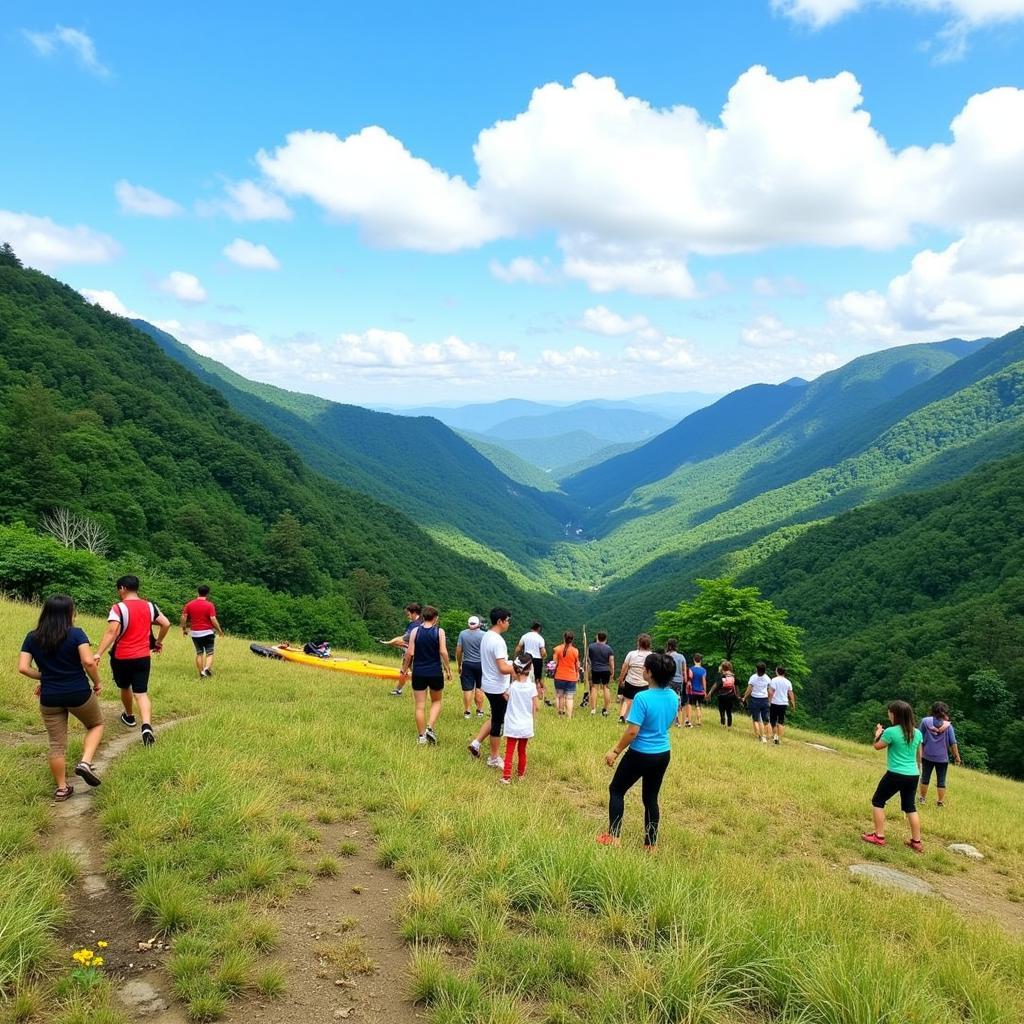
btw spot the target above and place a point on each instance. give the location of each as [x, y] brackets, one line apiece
[352, 666]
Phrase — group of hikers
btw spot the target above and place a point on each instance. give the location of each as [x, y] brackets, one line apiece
[658, 690]
[57, 654]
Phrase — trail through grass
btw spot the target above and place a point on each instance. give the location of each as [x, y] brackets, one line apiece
[513, 913]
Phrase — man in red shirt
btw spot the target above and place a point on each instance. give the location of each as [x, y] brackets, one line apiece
[199, 620]
[130, 640]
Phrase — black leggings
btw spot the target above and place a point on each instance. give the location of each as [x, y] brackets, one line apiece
[726, 702]
[650, 770]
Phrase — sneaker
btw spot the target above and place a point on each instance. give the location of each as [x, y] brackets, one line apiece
[915, 844]
[548, 703]
[689, 725]
[775, 740]
[920, 799]
[421, 741]
[148, 737]
[495, 762]
[622, 720]
[764, 739]
[504, 781]
[873, 838]
[938, 803]
[604, 712]
[480, 714]
[209, 673]
[128, 720]
[474, 748]
[467, 714]
[431, 736]
[607, 839]
[396, 692]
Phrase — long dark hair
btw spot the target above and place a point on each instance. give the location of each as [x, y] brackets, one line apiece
[54, 622]
[903, 716]
[568, 638]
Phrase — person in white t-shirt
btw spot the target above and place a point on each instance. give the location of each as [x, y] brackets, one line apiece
[782, 696]
[495, 669]
[519, 716]
[758, 688]
[532, 644]
[631, 675]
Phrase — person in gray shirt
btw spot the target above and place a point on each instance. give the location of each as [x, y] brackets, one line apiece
[467, 658]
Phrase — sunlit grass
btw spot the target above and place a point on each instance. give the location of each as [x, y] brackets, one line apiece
[747, 915]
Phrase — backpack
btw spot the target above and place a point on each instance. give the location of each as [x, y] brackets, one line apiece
[123, 617]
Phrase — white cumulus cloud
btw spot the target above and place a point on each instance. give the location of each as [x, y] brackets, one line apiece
[144, 202]
[72, 40]
[108, 300]
[43, 244]
[183, 286]
[250, 255]
[521, 269]
[246, 201]
[602, 320]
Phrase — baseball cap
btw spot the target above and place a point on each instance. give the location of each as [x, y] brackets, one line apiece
[473, 621]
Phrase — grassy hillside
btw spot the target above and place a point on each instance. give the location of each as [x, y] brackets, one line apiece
[416, 464]
[514, 467]
[511, 912]
[924, 590]
[96, 418]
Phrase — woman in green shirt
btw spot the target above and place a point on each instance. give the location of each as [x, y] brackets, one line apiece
[902, 742]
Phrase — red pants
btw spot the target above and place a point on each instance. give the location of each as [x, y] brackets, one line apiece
[511, 745]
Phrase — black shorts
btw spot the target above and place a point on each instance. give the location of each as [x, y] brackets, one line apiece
[538, 671]
[420, 683]
[759, 708]
[939, 767]
[600, 678]
[131, 673]
[471, 676]
[204, 644]
[695, 699]
[498, 708]
[629, 691]
[777, 714]
[890, 784]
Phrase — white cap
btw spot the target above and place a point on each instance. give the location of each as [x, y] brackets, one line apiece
[473, 622]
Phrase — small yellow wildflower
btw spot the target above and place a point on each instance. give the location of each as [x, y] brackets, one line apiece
[97, 961]
[102, 944]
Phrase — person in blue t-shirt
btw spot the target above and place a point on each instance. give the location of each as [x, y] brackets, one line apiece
[647, 736]
[939, 743]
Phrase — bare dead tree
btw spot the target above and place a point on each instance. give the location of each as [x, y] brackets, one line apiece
[76, 531]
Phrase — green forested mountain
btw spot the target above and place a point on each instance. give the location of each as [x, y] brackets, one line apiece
[97, 419]
[921, 597]
[416, 464]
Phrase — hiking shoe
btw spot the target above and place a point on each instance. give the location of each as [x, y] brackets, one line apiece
[474, 748]
[421, 741]
[128, 720]
[431, 736]
[396, 692]
[873, 838]
[148, 736]
[467, 714]
[495, 762]
[84, 771]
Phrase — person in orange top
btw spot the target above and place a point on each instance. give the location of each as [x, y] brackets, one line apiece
[567, 673]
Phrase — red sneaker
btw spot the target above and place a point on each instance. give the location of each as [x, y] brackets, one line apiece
[874, 838]
[915, 844]
[607, 839]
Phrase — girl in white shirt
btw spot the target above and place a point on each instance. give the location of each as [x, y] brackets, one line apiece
[519, 717]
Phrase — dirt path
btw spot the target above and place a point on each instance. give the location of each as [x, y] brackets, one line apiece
[340, 947]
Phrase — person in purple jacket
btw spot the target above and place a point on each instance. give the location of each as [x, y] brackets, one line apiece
[939, 743]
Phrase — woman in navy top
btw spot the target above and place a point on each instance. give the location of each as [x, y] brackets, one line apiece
[647, 735]
[427, 656]
[57, 654]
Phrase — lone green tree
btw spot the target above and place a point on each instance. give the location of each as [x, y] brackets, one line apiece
[734, 623]
[8, 257]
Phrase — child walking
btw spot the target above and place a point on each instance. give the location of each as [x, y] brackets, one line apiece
[520, 716]
[902, 743]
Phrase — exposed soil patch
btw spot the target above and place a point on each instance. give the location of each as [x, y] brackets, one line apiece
[340, 947]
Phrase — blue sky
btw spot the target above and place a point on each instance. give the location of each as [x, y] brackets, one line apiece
[691, 201]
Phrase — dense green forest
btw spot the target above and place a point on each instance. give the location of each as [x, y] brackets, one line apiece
[95, 418]
[920, 597]
[416, 464]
